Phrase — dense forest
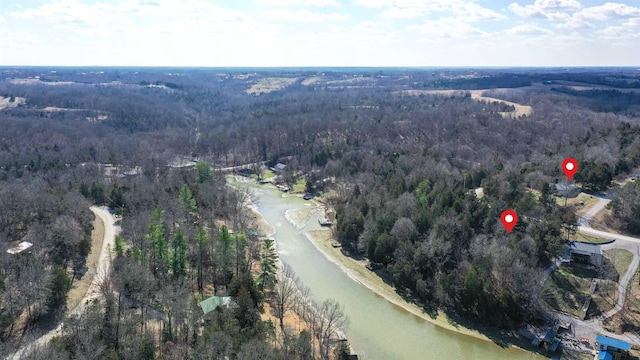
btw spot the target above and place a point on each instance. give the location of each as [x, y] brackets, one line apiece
[402, 167]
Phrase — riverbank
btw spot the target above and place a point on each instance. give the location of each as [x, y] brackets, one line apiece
[356, 270]
[308, 257]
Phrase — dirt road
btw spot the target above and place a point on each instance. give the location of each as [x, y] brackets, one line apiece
[583, 221]
[102, 269]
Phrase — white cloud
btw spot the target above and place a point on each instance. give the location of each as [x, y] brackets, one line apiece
[183, 33]
[2, 19]
[16, 39]
[634, 22]
[395, 12]
[103, 18]
[549, 9]
[376, 28]
[614, 13]
[375, 3]
[616, 32]
[608, 11]
[105, 13]
[314, 3]
[575, 23]
[302, 15]
[451, 27]
[397, 9]
[72, 13]
[529, 30]
[474, 11]
[320, 32]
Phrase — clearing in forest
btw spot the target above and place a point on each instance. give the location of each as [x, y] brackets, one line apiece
[519, 111]
[311, 80]
[267, 85]
[8, 102]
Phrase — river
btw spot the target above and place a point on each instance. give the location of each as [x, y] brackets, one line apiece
[378, 330]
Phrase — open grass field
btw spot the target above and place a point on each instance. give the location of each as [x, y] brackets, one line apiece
[620, 258]
[311, 80]
[520, 110]
[6, 103]
[270, 84]
[300, 185]
[582, 202]
[588, 238]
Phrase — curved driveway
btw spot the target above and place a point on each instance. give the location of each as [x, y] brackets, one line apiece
[590, 328]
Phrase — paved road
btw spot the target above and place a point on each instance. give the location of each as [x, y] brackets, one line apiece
[629, 243]
[102, 270]
[590, 328]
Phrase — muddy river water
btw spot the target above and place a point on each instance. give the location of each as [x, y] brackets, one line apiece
[378, 330]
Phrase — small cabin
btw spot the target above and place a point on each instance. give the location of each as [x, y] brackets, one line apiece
[214, 302]
[279, 167]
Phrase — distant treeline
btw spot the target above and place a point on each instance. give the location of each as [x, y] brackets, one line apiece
[614, 101]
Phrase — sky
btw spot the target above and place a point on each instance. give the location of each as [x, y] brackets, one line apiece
[267, 33]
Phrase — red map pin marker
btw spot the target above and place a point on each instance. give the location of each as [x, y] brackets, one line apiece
[509, 219]
[569, 166]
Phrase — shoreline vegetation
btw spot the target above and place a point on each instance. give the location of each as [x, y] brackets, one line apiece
[357, 271]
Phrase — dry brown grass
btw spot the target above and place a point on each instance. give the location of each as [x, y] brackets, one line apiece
[293, 325]
[629, 318]
[520, 109]
[311, 80]
[80, 286]
[267, 85]
[5, 104]
[604, 221]
[586, 199]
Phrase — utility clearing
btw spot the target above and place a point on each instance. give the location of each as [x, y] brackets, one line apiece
[520, 110]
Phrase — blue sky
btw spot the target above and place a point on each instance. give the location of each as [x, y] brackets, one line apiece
[320, 32]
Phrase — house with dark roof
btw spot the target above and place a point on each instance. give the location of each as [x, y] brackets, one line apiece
[585, 253]
[279, 167]
[612, 349]
[566, 190]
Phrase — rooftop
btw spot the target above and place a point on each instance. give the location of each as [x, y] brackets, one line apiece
[213, 302]
[563, 186]
[604, 355]
[20, 248]
[279, 166]
[614, 343]
[586, 247]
